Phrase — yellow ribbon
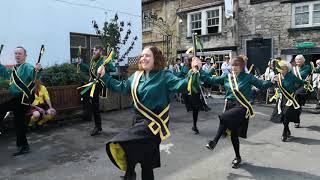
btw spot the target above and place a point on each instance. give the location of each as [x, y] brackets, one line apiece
[275, 96]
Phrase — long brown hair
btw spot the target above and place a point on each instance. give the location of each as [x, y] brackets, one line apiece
[159, 59]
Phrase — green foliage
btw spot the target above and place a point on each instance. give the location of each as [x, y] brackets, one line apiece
[113, 35]
[4, 84]
[64, 74]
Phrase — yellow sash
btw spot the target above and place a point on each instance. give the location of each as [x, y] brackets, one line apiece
[239, 96]
[290, 97]
[158, 122]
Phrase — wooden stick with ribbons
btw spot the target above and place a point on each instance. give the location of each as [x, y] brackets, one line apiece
[1, 47]
[92, 85]
[40, 56]
[78, 59]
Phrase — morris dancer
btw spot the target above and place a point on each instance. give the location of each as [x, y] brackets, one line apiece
[235, 118]
[301, 71]
[150, 88]
[288, 107]
[21, 84]
[92, 103]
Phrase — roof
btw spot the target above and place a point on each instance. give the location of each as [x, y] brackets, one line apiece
[191, 5]
[148, 1]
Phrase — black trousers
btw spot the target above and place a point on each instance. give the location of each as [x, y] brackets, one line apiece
[91, 106]
[19, 111]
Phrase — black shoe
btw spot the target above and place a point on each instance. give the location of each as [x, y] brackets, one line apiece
[195, 129]
[284, 137]
[22, 150]
[297, 125]
[288, 133]
[211, 145]
[96, 131]
[236, 162]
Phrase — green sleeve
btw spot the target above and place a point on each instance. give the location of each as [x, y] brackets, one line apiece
[206, 78]
[176, 84]
[84, 67]
[260, 84]
[123, 86]
[212, 71]
[4, 72]
[111, 67]
[299, 81]
[317, 70]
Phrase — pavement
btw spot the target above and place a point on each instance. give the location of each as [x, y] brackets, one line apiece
[68, 152]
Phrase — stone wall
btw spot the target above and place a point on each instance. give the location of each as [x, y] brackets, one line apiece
[270, 20]
[226, 38]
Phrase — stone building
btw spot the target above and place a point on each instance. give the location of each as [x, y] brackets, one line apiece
[207, 19]
[159, 26]
[260, 29]
[278, 28]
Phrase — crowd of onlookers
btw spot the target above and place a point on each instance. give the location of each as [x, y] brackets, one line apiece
[225, 68]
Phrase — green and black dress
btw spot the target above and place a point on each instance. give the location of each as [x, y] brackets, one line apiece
[151, 97]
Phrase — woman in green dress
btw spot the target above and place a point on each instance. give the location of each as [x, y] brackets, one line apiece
[150, 88]
[235, 118]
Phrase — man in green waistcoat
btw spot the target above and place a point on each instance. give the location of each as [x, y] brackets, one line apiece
[21, 80]
[91, 104]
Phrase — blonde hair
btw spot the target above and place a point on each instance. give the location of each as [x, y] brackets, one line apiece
[300, 56]
[318, 62]
[284, 64]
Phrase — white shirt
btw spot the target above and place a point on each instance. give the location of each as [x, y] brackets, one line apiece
[269, 74]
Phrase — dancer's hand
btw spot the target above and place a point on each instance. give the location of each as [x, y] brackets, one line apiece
[37, 67]
[275, 79]
[101, 70]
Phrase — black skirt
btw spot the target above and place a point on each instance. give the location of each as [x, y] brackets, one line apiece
[137, 145]
[302, 95]
[287, 114]
[194, 101]
[234, 118]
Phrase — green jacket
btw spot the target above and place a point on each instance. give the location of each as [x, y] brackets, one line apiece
[245, 83]
[305, 70]
[290, 81]
[95, 64]
[25, 71]
[154, 91]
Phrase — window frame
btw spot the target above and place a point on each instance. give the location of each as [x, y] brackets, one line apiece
[204, 18]
[144, 22]
[311, 14]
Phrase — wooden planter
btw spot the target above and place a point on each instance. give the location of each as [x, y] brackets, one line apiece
[4, 96]
[125, 101]
[65, 97]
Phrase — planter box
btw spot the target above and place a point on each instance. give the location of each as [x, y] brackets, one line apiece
[4, 96]
[125, 101]
[65, 97]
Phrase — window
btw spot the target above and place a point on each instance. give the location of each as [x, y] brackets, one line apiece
[196, 23]
[316, 13]
[213, 21]
[207, 21]
[87, 42]
[146, 22]
[306, 14]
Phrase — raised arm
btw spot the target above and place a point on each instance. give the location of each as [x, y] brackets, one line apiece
[123, 86]
[260, 84]
[84, 67]
[4, 72]
[206, 78]
[176, 84]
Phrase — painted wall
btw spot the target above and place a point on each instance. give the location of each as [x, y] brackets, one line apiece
[35, 22]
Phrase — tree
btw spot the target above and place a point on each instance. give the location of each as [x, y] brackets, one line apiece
[113, 36]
